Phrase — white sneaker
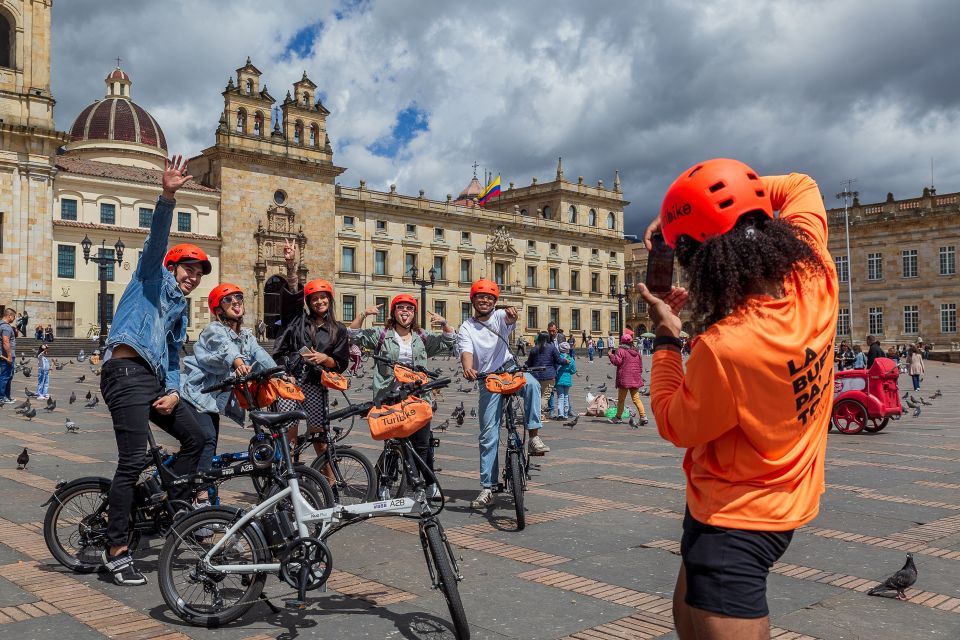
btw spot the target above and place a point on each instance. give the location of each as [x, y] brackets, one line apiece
[537, 445]
[484, 499]
[433, 492]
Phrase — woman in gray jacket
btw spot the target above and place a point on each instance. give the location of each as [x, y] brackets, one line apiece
[402, 340]
[223, 348]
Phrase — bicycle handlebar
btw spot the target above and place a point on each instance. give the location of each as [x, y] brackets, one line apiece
[403, 392]
[520, 369]
[233, 381]
[418, 368]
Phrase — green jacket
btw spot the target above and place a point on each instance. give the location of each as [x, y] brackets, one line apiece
[429, 345]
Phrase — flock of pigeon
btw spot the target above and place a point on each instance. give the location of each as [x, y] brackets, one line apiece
[29, 411]
[915, 403]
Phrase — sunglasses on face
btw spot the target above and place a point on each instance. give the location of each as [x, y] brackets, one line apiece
[405, 307]
[233, 297]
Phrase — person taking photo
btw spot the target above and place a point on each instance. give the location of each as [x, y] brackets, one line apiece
[754, 429]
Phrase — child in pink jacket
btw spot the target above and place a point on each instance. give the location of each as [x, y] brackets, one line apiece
[629, 364]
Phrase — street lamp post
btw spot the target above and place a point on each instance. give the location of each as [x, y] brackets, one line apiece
[423, 283]
[619, 295]
[846, 195]
[102, 260]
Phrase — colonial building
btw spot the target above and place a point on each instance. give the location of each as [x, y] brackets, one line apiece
[901, 269]
[268, 178]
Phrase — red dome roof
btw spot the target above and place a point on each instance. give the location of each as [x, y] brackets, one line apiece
[118, 74]
[117, 119]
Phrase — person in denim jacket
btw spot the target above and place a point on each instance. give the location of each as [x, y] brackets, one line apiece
[402, 340]
[140, 379]
[223, 348]
[43, 373]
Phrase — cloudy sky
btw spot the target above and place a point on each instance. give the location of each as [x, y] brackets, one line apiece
[420, 89]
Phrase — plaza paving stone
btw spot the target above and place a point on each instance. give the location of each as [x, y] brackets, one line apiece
[598, 558]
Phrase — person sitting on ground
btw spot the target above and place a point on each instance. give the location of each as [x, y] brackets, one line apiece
[38, 333]
[754, 428]
[48, 333]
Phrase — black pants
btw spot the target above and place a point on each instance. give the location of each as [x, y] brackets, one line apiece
[129, 388]
[420, 441]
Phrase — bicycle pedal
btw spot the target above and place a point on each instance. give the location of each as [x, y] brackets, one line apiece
[295, 604]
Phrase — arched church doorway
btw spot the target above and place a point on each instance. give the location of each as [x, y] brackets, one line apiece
[271, 305]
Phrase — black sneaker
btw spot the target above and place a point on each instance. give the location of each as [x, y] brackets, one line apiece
[121, 566]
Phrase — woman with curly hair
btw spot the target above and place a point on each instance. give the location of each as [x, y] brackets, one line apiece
[754, 429]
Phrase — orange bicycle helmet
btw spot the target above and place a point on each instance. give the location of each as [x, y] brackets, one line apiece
[708, 199]
[188, 253]
[484, 285]
[220, 292]
[317, 286]
[403, 297]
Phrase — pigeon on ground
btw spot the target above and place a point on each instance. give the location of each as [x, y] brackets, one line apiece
[459, 419]
[572, 423]
[334, 403]
[609, 377]
[51, 405]
[632, 422]
[27, 372]
[912, 403]
[473, 412]
[23, 407]
[443, 425]
[898, 582]
[464, 390]
[92, 403]
[23, 460]
[30, 414]
[916, 412]
[28, 393]
[922, 401]
[59, 366]
[89, 394]
[73, 397]
[603, 388]
[82, 378]
[936, 395]
[588, 378]
[905, 394]
[460, 406]
[71, 426]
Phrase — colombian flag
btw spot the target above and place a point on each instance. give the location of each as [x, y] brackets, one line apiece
[493, 189]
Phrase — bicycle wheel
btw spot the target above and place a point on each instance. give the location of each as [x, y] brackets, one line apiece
[75, 525]
[447, 581]
[210, 599]
[515, 470]
[358, 477]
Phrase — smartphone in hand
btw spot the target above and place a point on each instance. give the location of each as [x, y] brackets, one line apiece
[304, 350]
[659, 266]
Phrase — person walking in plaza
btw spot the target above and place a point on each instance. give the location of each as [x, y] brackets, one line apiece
[600, 346]
[140, 378]
[311, 340]
[859, 358]
[916, 366]
[611, 342]
[754, 428]
[43, 373]
[224, 348]
[591, 348]
[8, 353]
[629, 364]
[874, 351]
[403, 340]
[521, 345]
[565, 372]
[261, 329]
[22, 323]
[482, 342]
[545, 354]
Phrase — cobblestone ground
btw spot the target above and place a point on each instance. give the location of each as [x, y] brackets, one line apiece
[598, 558]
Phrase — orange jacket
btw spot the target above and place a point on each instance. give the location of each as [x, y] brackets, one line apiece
[753, 405]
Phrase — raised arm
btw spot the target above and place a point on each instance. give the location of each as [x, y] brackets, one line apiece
[798, 199]
[155, 246]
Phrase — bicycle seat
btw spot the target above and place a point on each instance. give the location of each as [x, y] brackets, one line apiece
[276, 420]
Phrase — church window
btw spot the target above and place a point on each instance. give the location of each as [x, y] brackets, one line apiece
[523, 212]
[6, 42]
[123, 89]
[68, 209]
[592, 218]
[314, 131]
[249, 86]
[572, 214]
[258, 123]
[306, 99]
[547, 212]
[183, 221]
[279, 197]
[241, 121]
[611, 220]
[298, 132]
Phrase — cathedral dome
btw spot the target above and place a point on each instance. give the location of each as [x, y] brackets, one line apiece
[116, 122]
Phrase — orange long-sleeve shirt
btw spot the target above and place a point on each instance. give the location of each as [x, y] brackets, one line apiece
[753, 405]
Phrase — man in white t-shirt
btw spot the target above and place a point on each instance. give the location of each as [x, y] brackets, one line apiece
[484, 345]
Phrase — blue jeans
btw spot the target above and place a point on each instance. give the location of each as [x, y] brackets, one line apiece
[563, 401]
[491, 405]
[6, 379]
[590, 353]
[916, 381]
[43, 381]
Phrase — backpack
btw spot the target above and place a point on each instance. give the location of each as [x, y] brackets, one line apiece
[597, 405]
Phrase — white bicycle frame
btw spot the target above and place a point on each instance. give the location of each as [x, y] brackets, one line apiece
[305, 515]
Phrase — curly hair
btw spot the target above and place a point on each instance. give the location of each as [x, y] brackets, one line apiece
[757, 254]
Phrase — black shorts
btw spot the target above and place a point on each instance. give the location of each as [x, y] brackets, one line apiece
[727, 568]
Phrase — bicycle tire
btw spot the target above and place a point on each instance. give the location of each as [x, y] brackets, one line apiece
[85, 559]
[185, 532]
[447, 582]
[359, 478]
[515, 467]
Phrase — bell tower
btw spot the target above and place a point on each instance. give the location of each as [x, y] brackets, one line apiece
[28, 142]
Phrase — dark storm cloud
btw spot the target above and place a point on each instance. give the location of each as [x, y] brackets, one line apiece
[853, 89]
